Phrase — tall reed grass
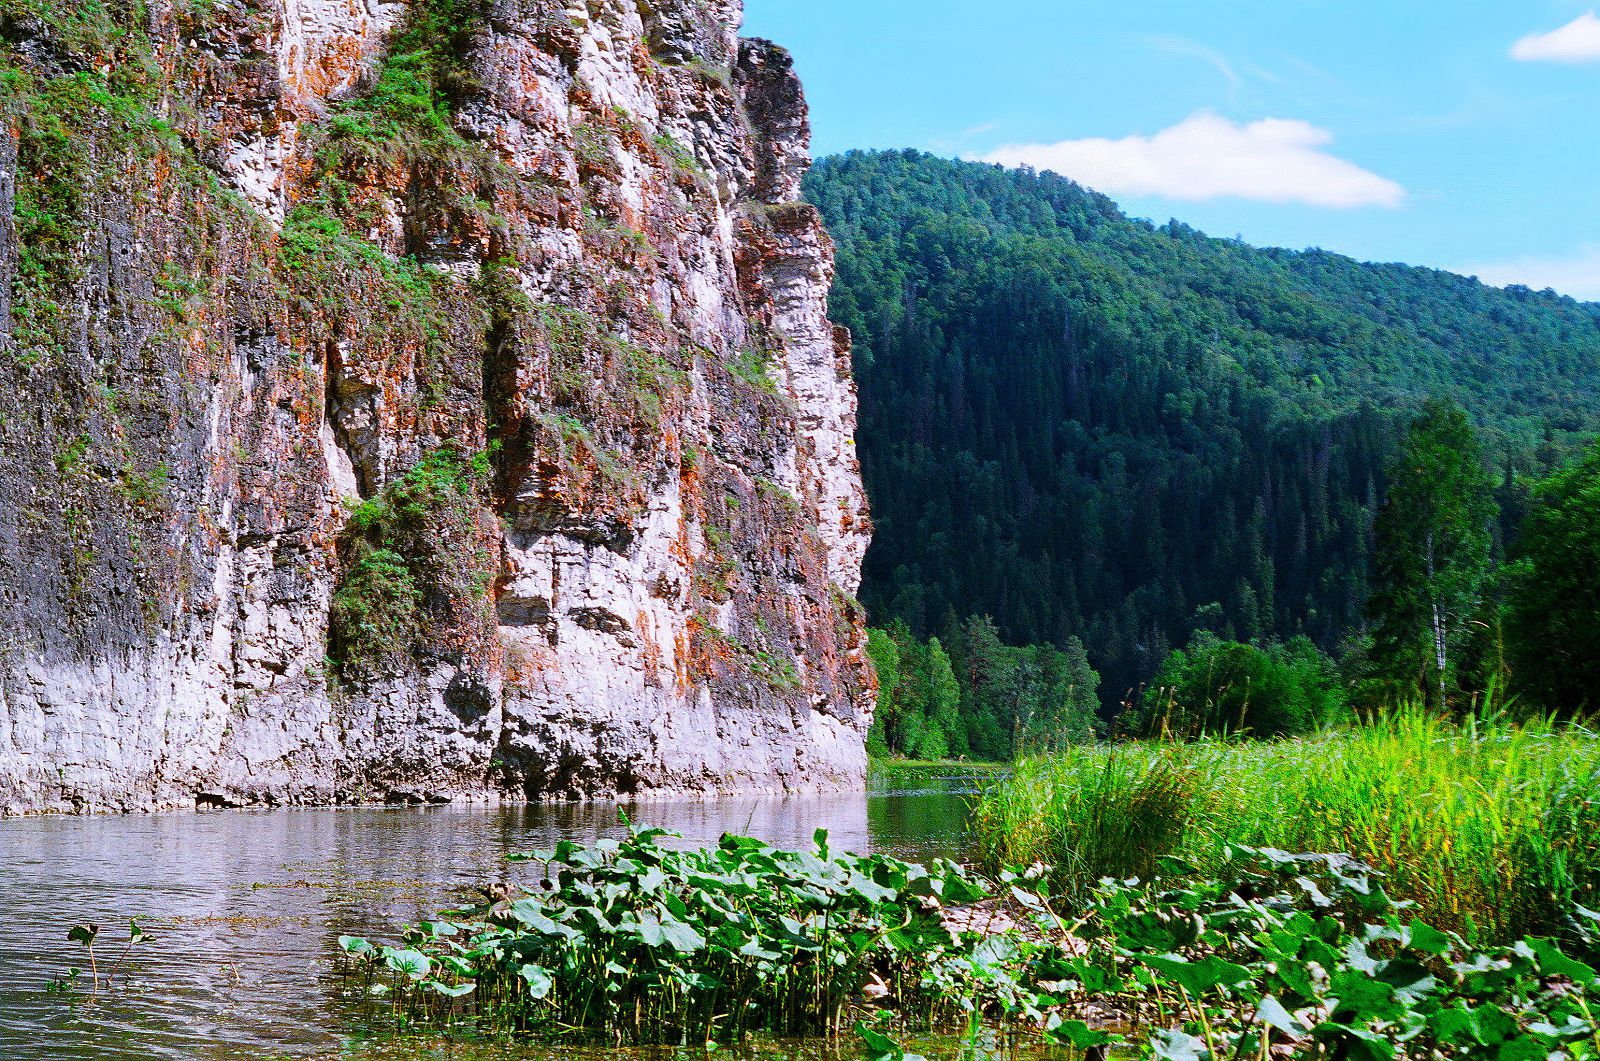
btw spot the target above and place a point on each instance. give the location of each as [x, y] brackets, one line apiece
[1493, 828]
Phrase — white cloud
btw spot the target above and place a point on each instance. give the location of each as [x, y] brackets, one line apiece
[1577, 274]
[1576, 42]
[1205, 156]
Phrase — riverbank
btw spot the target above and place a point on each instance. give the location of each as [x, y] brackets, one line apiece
[1492, 828]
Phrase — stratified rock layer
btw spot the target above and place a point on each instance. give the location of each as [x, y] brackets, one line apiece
[414, 403]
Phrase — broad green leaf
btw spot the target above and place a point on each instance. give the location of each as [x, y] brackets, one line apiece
[355, 945]
[1173, 1044]
[1077, 1034]
[1271, 1012]
[451, 990]
[538, 979]
[412, 963]
[1198, 977]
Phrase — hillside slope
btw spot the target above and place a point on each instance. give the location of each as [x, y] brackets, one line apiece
[1084, 424]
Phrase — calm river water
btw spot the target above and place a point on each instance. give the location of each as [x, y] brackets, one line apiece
[245, 906]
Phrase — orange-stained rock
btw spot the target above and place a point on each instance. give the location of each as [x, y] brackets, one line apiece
[597, 273]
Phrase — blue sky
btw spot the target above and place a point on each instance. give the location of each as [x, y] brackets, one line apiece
[1457, 134]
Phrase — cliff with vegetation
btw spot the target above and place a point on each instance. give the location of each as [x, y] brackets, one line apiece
[416, 401]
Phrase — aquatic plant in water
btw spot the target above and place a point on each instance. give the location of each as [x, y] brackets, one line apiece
[85, 936]
[1308, 956]
[633, 942]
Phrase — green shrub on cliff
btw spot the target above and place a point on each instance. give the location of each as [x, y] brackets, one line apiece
[413, 561]
[376, 610]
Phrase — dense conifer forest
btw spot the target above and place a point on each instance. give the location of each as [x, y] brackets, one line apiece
[1096, 429]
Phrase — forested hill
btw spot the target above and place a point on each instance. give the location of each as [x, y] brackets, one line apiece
[1086, 425]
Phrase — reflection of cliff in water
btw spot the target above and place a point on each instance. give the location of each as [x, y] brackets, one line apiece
[245, 907]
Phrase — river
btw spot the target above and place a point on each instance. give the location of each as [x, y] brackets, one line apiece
[244, 907]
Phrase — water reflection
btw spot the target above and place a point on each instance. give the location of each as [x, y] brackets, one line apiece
[246, 906]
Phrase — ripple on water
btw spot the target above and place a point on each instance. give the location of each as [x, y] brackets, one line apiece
[245, 908]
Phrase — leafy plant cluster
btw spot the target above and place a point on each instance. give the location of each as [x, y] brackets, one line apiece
[322, 258]
[1308, 955]
[753, 367]
[630, 941]
[410, 104]
[412, 555]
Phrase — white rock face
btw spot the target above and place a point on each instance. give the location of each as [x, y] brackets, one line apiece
[323, 48]
[671, 606]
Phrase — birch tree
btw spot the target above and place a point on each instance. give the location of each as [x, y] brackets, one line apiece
[1433, 539]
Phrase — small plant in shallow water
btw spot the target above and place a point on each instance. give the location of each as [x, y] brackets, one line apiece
[85, 936]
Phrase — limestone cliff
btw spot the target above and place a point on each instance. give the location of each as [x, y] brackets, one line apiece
[415, 401]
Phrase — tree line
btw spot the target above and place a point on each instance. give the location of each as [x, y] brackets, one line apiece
[1449, 625]
[1090, 428]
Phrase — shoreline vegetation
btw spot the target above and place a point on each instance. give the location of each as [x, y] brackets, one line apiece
[635, 942]
[1491, 827]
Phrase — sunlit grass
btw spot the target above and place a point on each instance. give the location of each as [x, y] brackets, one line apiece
[1493, 828]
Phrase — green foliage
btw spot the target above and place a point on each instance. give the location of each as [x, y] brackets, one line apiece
[318, 251]
[634, 942]
[1432, 554]
[980, 698]
[1274, 954]
[375, 616]
[411, 554]
[885, 657]
[1493, 829]
[594, 146]
[410, 104]
[584, 351]
[1308, 956]
[1555, 591]
[441, 480]
[679, 156]
[145, 489]
[1085, 425]
[54, 186]
[1219, 687]
[753, 367]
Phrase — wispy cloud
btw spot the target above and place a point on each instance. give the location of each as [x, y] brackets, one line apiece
[1576, 42]
[1206, 156]
[1204, 52]
[1576, 274]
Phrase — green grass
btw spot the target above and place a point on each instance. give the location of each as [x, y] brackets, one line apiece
[1493, 828]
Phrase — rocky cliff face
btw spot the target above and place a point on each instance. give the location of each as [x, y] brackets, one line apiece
[416, 401]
